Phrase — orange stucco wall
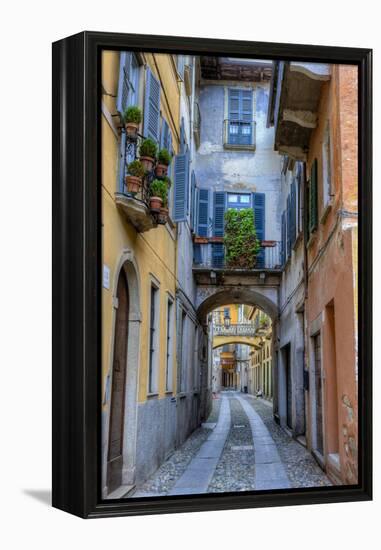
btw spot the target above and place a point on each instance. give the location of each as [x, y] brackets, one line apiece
[332, 261]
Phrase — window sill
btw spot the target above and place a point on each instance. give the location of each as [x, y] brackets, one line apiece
[239, 147]
[152, 395]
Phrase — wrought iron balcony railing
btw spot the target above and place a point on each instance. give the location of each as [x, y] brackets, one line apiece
[211, 255]
[239, 134]
[240, 329]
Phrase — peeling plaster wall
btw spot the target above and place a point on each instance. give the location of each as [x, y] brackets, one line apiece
[239, 170]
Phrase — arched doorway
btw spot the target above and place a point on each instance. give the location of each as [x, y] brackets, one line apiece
[119, 371]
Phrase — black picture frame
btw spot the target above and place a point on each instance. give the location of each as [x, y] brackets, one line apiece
[77, 274]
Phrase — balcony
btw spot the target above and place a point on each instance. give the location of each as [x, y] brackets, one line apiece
[209, 254]
[240, 329]
[239, 134]
[136, 209]
[293, 104]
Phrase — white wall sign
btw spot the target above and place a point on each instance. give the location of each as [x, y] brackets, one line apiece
[106, 276]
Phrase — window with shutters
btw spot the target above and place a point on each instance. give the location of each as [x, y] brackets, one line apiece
[203, 212]
[239, 125]
[259, 207]
[169, 357]
[128, 94]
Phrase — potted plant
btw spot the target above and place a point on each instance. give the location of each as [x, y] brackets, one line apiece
[132, 117]
[135, 173]
[158, 192]
[147, 152]
[164, 212]
[240, 239]
[163, 161]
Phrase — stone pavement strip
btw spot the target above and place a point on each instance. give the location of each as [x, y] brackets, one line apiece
[200, 470]
[269, 470]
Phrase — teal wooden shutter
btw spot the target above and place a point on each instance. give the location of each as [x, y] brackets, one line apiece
[313, 197]
[293, 213]
[259, 207]
[152, 107]
[181, 188]
[203, 212]
[218, 252]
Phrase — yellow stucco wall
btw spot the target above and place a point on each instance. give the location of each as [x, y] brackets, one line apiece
[154, 251]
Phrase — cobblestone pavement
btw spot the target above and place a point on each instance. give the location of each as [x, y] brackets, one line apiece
[236, 470]
[302, 469]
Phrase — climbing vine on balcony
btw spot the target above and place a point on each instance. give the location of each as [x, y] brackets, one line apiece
[240, 239]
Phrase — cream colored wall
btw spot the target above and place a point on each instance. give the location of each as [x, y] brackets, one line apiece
[154, 251]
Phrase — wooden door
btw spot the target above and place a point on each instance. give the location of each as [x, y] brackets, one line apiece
[115, 452]
[289, 386]
[318, 394]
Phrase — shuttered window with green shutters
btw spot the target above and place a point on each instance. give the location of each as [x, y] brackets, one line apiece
[181, 183]
[313, 197]
[151, 107]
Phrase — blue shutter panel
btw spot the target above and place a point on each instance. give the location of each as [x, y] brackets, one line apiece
[203, 213]
[218, 252]
[259, 207]
[293, 213]
[152, 107]
[181, 188]
[193, 198]
[218, 214]
[283, 243]
[240, 104]
[288, 226]
[124, 68]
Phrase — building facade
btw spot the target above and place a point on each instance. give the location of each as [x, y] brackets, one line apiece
[313, 109]
[148, 381]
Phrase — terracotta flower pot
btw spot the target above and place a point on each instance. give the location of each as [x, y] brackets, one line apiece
[155, 203]
[133, 184]
[148, 163]
[161, 170]
[131, 129]
[163, 216]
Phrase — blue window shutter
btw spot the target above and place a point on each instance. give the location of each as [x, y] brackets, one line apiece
[313, 197]
[293, 213]
[152, 107]
[218, 251]
[218, 214]
[203, 212]
[192, 200]
[283, 243]
[181, 188]
[182, 136]
[240, 104]
[124, 68]
[122, 163]
[259, 207]
[197, 254]
[288, 226]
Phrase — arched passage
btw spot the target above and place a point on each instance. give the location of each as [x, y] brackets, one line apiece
[120, 446]
[212, 298]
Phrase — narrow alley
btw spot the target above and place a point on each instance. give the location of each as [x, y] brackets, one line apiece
[239, 448]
